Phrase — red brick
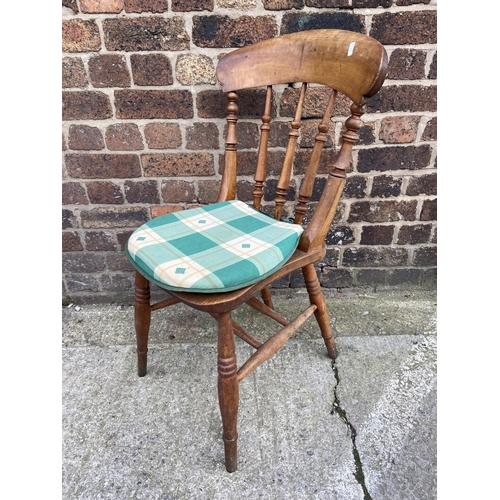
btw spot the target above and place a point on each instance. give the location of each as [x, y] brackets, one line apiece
[145, 34]
[101, 6]
[430, 132]
[382, 211]
[315, 103]
[123, 137]
[271, 186]
[429, 210]
[407, 98]
[247, 162]
[394, 158]
[73, 193]
[82, 263]
[244, 192]
[300, 21]
[413, 235]
[99, 241]
[247, 134]
[169, 104]
[109, 70]
[71, 242]
[377, 235]
[191, 5]
[104, 192]
[86, 138]
[80, 35]
[213, 103]
[103, 166]
[309, 131]
[151, 69]
[355, 186]
[339, 235]
[433, 69]
[73, 72]
[85, 105]
[399, 129]
[371, 277]
[331, 278]
[326, 161]
[278, 136]
[71, 4]
[142, 191]
[165, 209]
[223, 31]
[425, 256]
[412, 2]
[177, 191]
[424, 184]
[366, 133]
[117, 282]
[81, 282]
[385, 186]
[407, 64]
[114, 217]
[177, 164]
[405, 28]
[138, 6]
[209, 190]
[117, 261]
[69, 219]
[374, 257]
[163, 135]
[202, 136]
[373, 4]
[288, 4]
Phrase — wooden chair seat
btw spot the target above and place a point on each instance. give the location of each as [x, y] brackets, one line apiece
[343, 61]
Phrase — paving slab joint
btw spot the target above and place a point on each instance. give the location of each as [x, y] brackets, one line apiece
[337, 409]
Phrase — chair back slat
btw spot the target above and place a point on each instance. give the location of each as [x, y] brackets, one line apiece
[260, 172]
[318, 227]
[228, 186]
[307, 184]
[286, 171]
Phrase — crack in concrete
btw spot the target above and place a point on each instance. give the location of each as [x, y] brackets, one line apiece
[337, 408]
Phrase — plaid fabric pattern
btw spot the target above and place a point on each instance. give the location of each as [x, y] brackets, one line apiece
[219, 247]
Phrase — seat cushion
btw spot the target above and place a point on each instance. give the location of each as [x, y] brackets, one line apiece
[219, 247]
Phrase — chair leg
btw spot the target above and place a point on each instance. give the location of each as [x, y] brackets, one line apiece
[142, 316]
[317, 298]
[228, 389]
[266, 297]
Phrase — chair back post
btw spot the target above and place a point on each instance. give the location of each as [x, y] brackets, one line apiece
[228, 185]
[316, 231]
[286, 171]
[306, 187]
[260, 172]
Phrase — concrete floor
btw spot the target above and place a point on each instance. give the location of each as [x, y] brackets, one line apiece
[362, 427]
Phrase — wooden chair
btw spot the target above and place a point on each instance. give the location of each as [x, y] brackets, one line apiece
[218, 257]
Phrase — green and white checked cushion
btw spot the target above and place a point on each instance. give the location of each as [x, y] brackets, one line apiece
[219, 247]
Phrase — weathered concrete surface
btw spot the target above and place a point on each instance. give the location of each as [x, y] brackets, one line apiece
[362, 427]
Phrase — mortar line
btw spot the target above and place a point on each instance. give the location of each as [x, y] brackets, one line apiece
[337, 408]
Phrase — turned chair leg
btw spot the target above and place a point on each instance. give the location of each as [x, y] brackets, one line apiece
[317, 298]
[266, 297]
[228, 389]
[142, 317]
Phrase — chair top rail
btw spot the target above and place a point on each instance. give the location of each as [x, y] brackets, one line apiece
[349, 62]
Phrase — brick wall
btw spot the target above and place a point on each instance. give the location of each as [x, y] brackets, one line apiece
[143, 125]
